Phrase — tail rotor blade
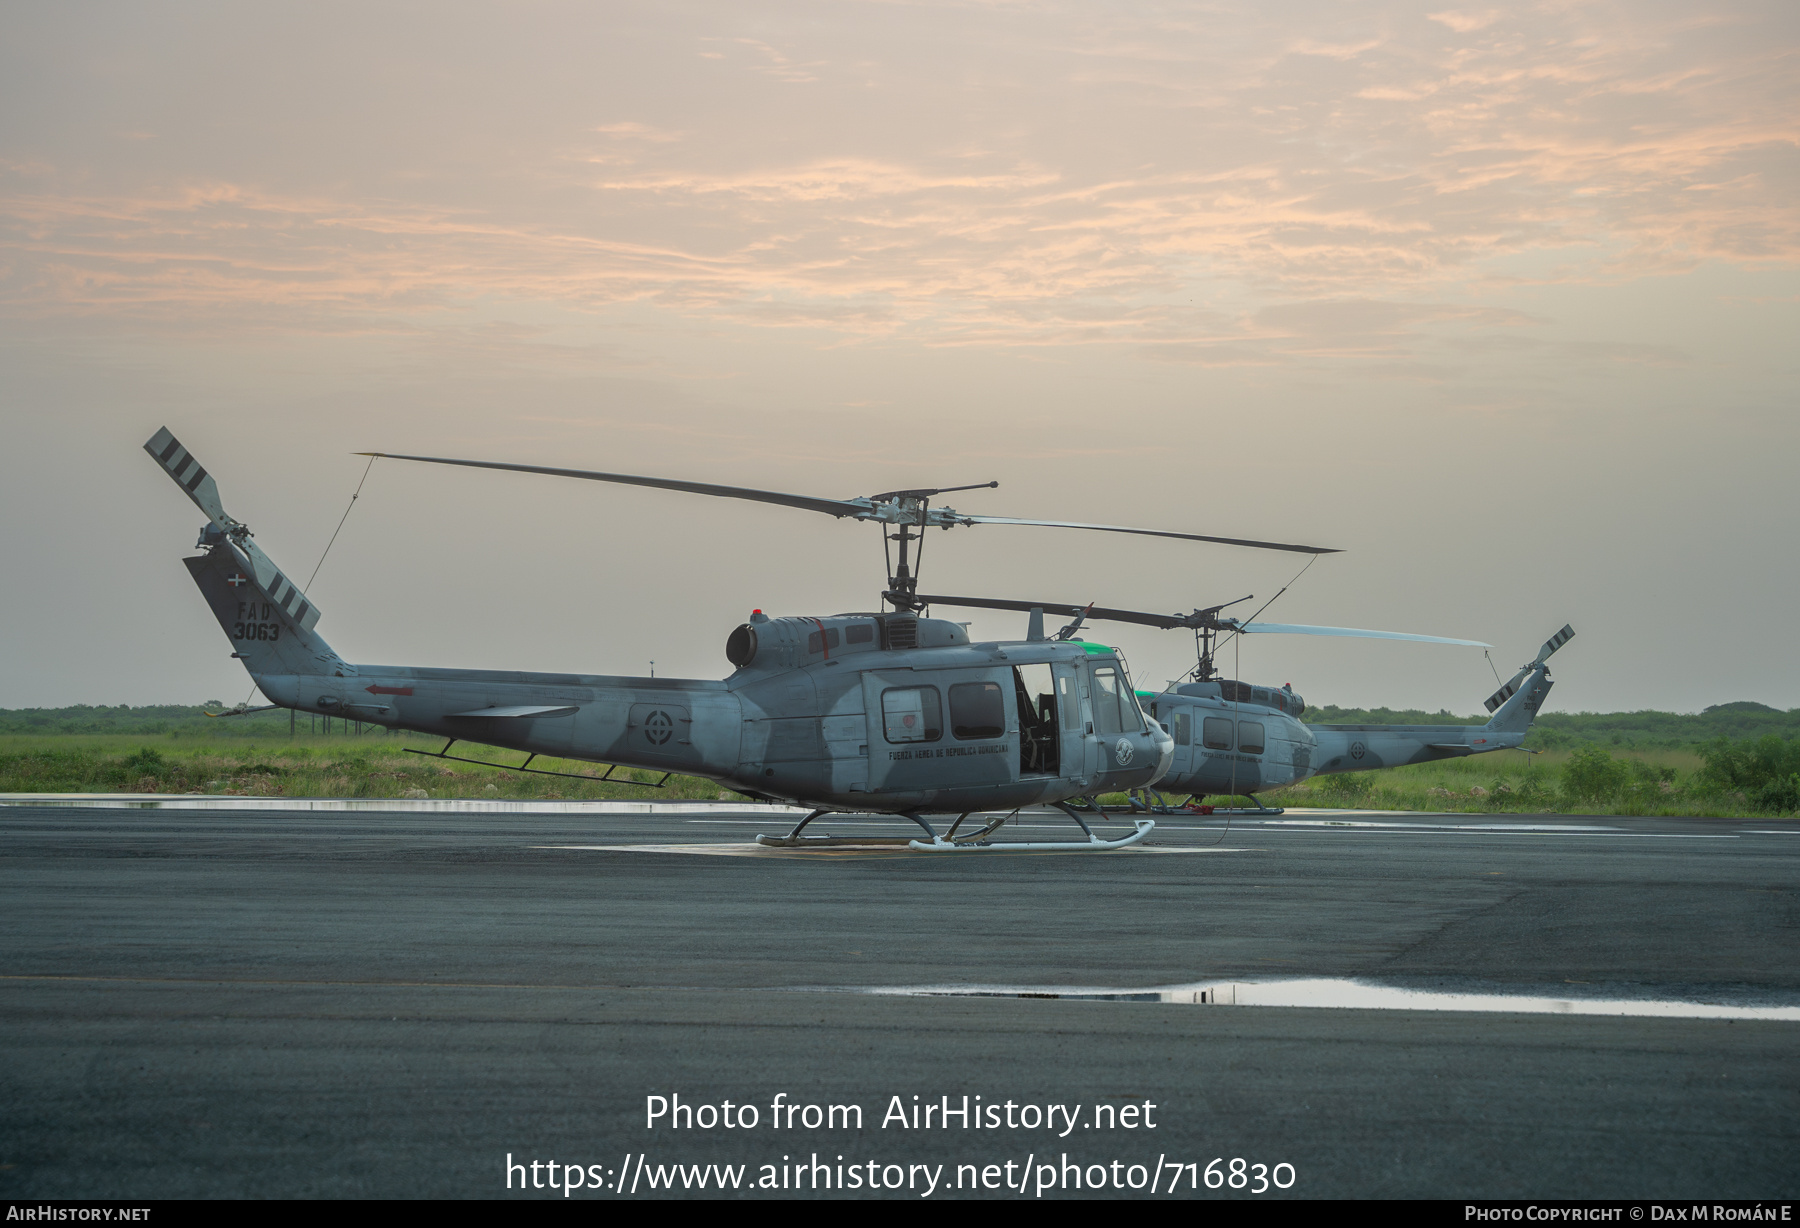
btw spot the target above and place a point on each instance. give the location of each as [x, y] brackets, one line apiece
[1554, 642]
[191, 476]
[1511, 688]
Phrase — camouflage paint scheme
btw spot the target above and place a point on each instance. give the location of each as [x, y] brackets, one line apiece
[801, 718]
[1293, 751]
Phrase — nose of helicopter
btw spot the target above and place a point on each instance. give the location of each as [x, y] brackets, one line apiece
[1165, 749]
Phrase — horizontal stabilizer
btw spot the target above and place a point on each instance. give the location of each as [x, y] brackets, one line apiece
[517, 711]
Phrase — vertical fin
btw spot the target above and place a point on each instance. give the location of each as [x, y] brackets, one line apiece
[1512, 686]
[187, 472]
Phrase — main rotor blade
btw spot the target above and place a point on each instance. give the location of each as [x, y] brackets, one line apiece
[1165, 621]
[1353, 632]
[1113, 528]
[831, 507]
[870, 508]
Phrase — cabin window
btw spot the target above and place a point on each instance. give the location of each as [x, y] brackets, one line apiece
[912, 714]
[1217, 733]
[819, 641]
[1181, 730]
[1067, 701]
[1259, 696]
[859, 633]
[977, 710]
[1250, 737]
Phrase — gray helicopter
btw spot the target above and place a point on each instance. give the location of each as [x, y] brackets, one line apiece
[890, 712]
[1237, 739]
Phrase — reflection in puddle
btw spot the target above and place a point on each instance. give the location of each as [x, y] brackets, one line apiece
[1360, 995]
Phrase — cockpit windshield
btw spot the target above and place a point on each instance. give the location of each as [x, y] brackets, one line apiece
[1115, 707]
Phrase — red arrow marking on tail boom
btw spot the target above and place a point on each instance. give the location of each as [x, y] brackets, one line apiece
[389, 690]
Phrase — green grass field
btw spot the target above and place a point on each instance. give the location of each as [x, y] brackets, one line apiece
[374, 764]
[1590, 780]
[1650, 783]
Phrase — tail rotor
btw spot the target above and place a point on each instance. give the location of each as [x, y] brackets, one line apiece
[1512, 686]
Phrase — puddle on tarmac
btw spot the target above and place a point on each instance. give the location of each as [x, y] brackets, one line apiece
[1360, 995]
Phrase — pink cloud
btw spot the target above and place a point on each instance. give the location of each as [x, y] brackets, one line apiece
[1359, 163]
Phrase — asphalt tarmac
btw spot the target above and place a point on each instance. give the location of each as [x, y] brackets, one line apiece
[289, 1004]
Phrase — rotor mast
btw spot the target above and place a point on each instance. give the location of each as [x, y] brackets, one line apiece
[911, 509]
[903, 583]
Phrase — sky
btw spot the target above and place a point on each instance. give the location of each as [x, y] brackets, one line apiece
[1502, 302]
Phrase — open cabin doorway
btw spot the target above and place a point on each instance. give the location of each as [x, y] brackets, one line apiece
[1039, 742]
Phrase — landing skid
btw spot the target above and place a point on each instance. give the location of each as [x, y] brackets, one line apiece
[1194, 807]
[1149, 801]
[974, 842]
[795, 840]
[1093, 844]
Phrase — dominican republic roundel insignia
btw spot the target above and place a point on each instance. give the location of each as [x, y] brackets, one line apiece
[1357, 750]
[659, 726]
[1122, 750]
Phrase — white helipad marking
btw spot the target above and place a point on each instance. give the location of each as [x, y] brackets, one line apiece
[1304, 826]
[1360, 995]
[434, 805]
[1431, 826]
[1527, 827]
[1758, 831]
